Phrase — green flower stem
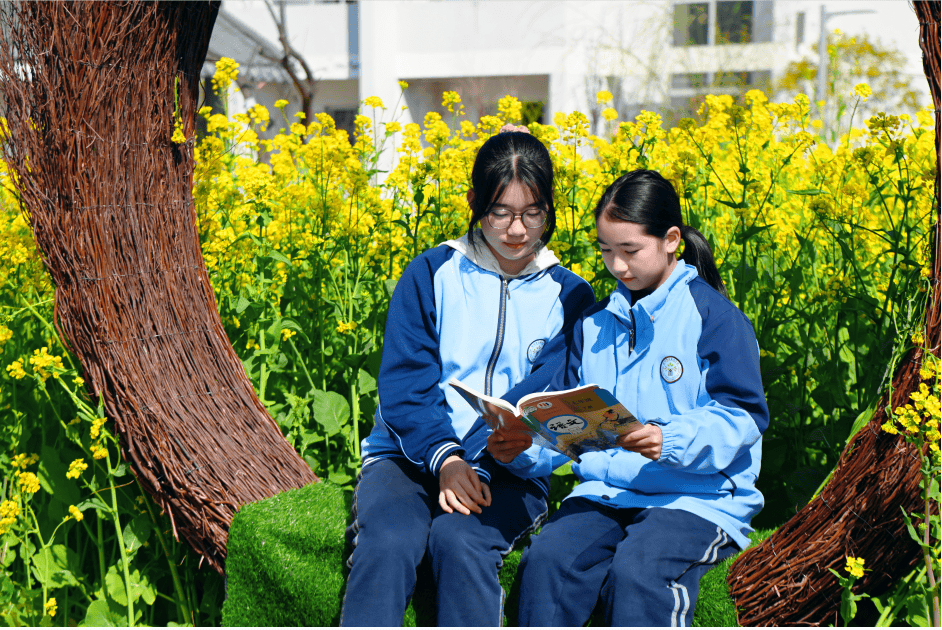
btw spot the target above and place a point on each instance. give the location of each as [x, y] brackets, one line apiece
[123, 549]
[930, 574]
[180, 601]
[101, 548]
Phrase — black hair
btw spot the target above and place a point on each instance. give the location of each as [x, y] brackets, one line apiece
[507, 157]
[646, 198]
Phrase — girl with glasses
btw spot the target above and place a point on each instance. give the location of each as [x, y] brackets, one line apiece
[493, 309]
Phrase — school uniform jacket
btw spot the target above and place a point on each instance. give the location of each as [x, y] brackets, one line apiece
[684, 358]
[455, 314]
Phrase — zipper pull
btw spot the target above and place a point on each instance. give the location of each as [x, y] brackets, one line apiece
[506, 284]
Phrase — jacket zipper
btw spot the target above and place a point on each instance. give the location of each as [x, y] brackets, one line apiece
[631, 333]
[499, 342]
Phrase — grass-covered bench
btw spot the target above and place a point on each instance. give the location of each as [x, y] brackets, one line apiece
[286, 567]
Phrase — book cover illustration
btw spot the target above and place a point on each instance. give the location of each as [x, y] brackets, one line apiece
[578, 421]
[571, 422]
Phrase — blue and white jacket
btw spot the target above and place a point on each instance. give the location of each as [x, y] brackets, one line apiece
[684, 358]
[455, 314]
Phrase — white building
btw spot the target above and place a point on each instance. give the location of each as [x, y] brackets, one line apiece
[554, 55]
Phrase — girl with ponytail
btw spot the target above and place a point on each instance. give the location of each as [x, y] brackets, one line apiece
[651, 516]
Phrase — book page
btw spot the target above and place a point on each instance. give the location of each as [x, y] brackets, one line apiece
[497, 413]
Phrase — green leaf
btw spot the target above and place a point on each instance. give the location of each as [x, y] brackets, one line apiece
[290, 324]
[735, 204]
[807, 191]
[114, 585]
[96, 503]
[365, 383]
[99, 614]
[52, 477]
[137, 532]
[43, 566]
[390, 285]
[241, 304]
[747, 235]
[331, 410]
[276, 255]
[120, 470]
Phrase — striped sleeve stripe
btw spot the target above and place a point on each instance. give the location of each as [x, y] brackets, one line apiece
[482, 473]
[440, 455]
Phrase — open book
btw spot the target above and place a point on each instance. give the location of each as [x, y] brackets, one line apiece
[572, 422]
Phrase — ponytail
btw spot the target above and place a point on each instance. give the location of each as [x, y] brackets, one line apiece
[697, 252]
[646, 198]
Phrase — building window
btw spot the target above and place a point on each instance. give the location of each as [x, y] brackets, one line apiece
[343, 119]
[691, 22]
[719, 22]
[733, 22]
[532, 112]
[688, 89]
[800, 28]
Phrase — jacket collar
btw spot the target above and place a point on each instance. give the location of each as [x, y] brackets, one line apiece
[480, 254]
[648, 307]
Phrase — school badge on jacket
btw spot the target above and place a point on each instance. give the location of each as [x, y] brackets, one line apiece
[533, 351]
[671, 369]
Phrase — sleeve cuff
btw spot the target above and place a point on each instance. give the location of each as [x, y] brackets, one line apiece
[438, 453]
[668, 444]
[483, 474]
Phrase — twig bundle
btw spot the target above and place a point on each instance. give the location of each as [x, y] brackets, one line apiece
[91, 92]
[785, 580]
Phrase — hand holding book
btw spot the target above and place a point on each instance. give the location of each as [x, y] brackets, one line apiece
[506, 444]
[646, 441]
[572, 422]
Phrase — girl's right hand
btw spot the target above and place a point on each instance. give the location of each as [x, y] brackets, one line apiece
[461, 488]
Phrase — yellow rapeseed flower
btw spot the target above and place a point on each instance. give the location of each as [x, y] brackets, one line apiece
[450, 99]
[374, 101]
[603, 97]
[609, 113]
[855, 566]
[5, 334]
[29, 482]
[9, 511]
[403, 85]
[287, 333]
[281, 103]
[863, 90]
[99, 451]
[917, 338]
[16, 370]
[76, 513]
[51, 607]
[227, 70]
[345, 327]
[76, 468]
[97, 423]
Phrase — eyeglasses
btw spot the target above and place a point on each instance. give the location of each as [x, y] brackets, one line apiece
[503, 219]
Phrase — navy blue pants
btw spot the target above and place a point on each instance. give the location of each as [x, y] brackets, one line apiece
[396, 518]
[644, 564]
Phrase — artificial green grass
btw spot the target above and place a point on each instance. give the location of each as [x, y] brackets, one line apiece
[286, 567]
[714, 606]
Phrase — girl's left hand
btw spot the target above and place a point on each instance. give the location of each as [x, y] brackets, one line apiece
[647, 441]
[505, 444]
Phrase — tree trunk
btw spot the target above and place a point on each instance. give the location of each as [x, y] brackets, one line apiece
[91, 93]
[785, 580]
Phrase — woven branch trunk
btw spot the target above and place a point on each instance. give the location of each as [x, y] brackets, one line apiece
[90, 91]
[785, 581]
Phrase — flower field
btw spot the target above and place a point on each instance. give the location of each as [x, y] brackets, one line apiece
[823, 246]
